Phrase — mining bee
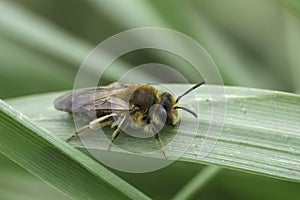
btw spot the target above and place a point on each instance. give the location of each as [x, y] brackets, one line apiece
[124, 105]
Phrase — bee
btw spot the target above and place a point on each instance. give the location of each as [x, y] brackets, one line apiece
[122, 105]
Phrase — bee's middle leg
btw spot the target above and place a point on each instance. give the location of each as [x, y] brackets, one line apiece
[122, 125]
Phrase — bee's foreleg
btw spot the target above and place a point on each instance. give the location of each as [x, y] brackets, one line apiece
[97, 123]
[122, 125]
[152, 127]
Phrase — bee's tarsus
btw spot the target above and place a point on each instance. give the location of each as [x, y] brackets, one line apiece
[77, 132]
[70, 138]
[161, 144]
[164, 154]
[109, 147]
[113, 137]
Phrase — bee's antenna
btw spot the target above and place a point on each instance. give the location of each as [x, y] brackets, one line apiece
[188, 91]
[188, 110]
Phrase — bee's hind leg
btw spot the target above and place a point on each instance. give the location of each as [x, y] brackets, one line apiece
[77, 132]
[102, 121]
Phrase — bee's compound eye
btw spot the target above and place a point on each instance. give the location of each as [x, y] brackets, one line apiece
[158, 113]
[157, 116]
[162, 113]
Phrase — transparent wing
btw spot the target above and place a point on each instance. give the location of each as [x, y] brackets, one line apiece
[101, 98]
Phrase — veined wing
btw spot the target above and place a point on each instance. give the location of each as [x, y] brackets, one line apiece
[101, 98]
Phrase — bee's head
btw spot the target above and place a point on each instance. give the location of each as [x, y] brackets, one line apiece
[169, 104]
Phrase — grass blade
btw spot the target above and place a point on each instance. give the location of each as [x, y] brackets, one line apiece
[197, 182]
[24, 26]
[56, 162]
[261, 133]
[293, 6]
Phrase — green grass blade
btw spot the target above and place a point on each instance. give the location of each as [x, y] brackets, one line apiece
[26, 27]
[17, 185]
[227, 55]
[200, 180]
[292, 45]
[22, 25]
[293, 6]
[56, 162]
[261, 133]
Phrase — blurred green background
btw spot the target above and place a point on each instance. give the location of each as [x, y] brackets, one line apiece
[254, 44]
